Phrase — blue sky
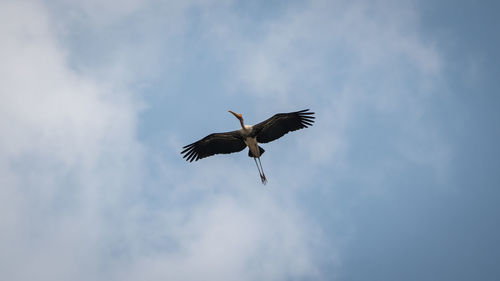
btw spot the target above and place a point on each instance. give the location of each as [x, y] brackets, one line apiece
[397, 180]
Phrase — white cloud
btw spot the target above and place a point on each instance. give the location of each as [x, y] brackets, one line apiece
[342, 58]
[68, 153]
[74, 183]
[229, 238]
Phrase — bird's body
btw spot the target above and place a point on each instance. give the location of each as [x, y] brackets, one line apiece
[252, 146]
[249, 136]
[251, 142]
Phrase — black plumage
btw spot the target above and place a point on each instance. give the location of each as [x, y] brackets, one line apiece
[281, 124]
[217, 143]
[266, 131]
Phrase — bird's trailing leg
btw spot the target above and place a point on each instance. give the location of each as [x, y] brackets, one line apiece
[262, 177]
[258, 168]
[261, 171]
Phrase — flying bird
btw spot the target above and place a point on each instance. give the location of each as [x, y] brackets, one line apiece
[235, 141]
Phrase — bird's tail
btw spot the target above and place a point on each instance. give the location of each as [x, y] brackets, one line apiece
[250, 154]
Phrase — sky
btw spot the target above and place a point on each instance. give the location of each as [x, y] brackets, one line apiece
[398, 179]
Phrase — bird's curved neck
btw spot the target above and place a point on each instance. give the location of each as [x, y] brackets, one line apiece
[241, 123]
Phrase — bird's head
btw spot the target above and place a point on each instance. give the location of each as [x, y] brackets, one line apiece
[237, 115]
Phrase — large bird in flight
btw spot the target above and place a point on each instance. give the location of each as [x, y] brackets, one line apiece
[235, 141]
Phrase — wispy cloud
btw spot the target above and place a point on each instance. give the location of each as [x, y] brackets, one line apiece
[87, 200]
[68, 154]
[343, 58]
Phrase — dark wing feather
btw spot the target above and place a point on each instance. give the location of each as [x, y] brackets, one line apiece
[282, 123]
[214, 144]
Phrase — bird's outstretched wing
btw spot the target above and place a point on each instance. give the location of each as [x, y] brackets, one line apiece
[282, 123]
[217, 143]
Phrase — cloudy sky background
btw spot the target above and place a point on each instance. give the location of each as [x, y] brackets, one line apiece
[397, 180]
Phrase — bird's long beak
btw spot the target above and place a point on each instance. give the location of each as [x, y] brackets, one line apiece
[239, 116]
